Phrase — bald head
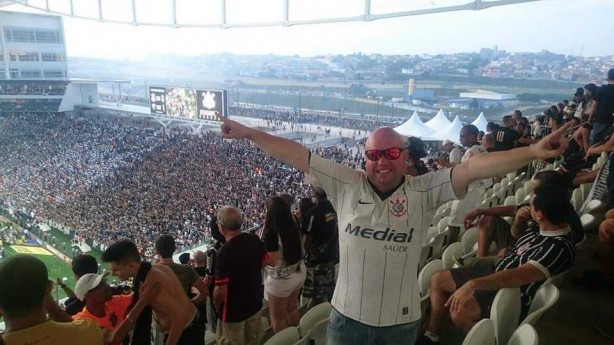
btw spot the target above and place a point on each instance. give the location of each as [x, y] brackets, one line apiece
[201, 258]
[386, 173]
[385, 138]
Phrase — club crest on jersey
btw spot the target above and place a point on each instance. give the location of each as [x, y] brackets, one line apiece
[523, 248]
[398, 206]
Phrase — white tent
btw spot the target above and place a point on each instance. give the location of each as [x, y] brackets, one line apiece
[439, 122]
[480, 122]
[414, 128]
[452, 132]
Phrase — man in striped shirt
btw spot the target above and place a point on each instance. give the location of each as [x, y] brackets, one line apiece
[383, 217]
[468, 292]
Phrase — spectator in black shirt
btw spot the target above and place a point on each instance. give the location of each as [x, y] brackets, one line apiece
[506, 136]
[601, 110]
[493, 228]
[321, 241]
[238, 282]
[81, 265]
[468, 292]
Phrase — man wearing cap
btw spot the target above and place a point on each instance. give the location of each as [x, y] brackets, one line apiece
[383, 217]
[321, 241]
[106, 310]
[601, 110]
[81, 265]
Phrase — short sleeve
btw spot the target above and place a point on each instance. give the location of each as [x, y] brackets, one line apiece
[221, 268]
[271, 240]
[552, 258]
[331, 176]
[307, 223]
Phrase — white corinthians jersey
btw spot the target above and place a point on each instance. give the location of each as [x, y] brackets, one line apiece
[380, 241]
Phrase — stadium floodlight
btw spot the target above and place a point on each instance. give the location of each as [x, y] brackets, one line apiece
[227, 14]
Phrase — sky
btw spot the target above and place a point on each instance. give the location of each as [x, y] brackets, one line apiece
[575, 27]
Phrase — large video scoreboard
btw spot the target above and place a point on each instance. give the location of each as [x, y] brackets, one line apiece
[188, 103]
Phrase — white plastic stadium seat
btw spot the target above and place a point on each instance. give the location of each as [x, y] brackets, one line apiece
[505, 312]
[317, 335]
[424, 282]
[588, 221]
[443, 224]
[545, 297]
[424, 277]
[454, 250]
[313, 316]
[288, 336]
[304, 340]
[210, 338]
[509, 201]
[469, 239]
[524, 335]
[520, 195]
[577, 198]
[483, 333]
[505, 181]
[489, 193]
[593, 207]
[496, 187]
[528, 187]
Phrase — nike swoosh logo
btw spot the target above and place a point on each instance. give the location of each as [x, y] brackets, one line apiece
[363, 202]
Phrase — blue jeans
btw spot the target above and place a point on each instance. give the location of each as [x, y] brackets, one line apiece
[599, 131]
[343, 330]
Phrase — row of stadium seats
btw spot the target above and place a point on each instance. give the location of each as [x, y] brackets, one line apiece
[502, 328]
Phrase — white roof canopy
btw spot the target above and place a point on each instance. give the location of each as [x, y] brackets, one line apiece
[414, 128]
[452, 132]
[480, 122]
[439, 121]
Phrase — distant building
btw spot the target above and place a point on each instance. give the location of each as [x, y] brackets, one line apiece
[32, 46]
[488, 95]
[32, 62]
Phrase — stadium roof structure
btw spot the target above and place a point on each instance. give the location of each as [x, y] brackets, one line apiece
[488, 95]
[248, 13]
[439, 121]
[414, 128]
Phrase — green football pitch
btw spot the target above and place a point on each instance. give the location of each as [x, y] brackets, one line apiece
[55, 266]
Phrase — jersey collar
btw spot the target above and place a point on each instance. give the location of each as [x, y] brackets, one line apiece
[560, 232]
[384, 196]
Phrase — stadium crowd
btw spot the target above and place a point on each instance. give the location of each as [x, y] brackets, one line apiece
[126, 186]
[109, 181]
[33, 88]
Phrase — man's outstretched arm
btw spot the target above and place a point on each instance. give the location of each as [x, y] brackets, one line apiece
[499, 163]
[285, 150]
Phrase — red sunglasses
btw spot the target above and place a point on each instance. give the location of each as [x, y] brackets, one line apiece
[390, 154]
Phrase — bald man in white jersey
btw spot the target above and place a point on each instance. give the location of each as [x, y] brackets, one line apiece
[383, 216]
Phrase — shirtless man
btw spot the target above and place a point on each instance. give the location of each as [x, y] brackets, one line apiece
[171, 307]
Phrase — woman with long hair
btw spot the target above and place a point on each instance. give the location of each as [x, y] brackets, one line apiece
[285, 269]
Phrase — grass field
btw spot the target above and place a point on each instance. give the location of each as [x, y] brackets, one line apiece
[56, 267]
